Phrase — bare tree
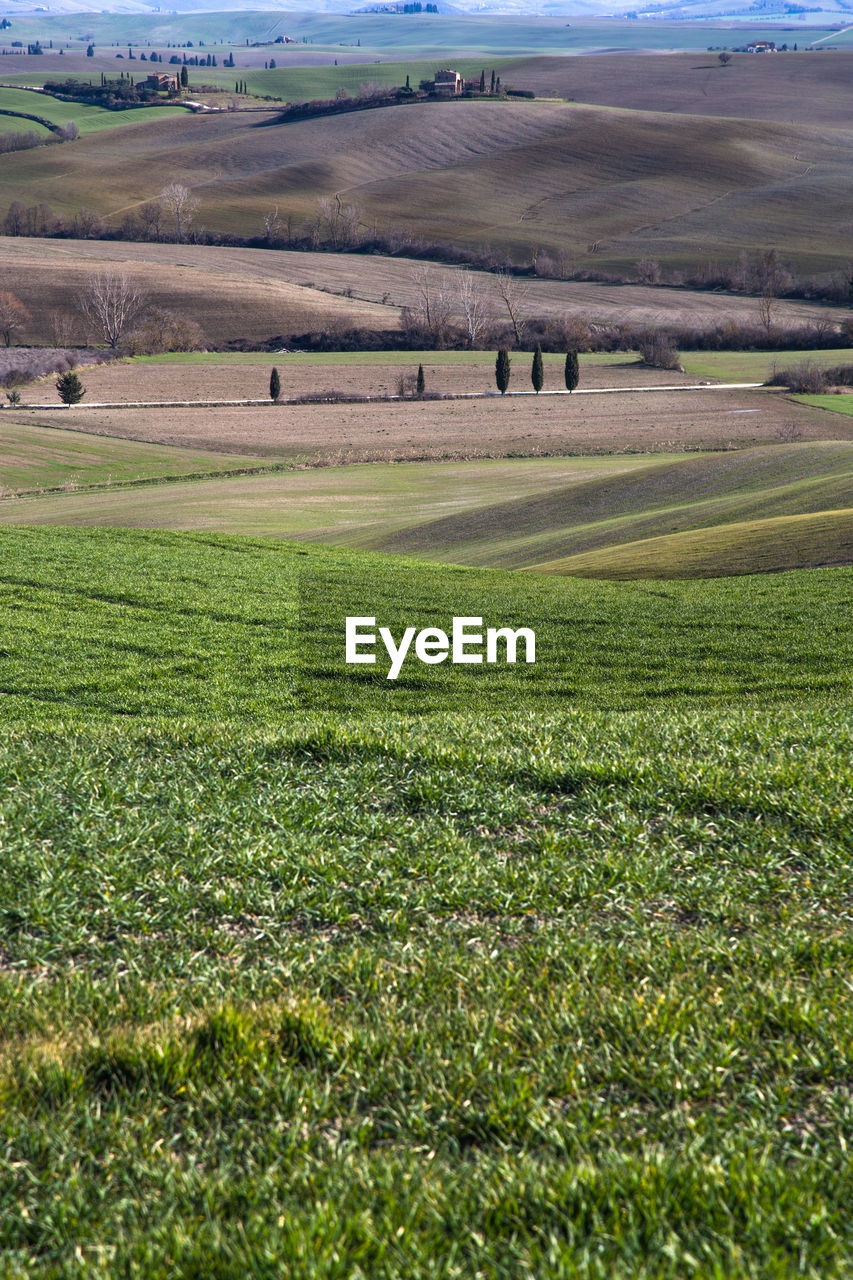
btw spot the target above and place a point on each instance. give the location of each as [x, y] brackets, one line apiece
[338, 223]
[13, 315]
[110, 303]
[473, 304]
[515, 297]
[60, 326]
[151, 216]
[272, 225]
[181, 204]
[432, 308]
[765, 307]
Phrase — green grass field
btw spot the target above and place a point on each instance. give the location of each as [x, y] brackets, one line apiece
[299, 84]
[516, 971]
[36, 458]
[834, 403]
[781, 506]
[756, 366]
[88, 119]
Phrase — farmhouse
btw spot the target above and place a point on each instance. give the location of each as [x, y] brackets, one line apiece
[448, 83]
[161, 82]
[761, 46]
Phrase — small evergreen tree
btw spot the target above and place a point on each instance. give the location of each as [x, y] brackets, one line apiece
[483, 81]
[421, 384]
[185, 77]
[502, 370]
[275, 385]
[537, 373]
[70, 388]
[572, 370]
[492, 89]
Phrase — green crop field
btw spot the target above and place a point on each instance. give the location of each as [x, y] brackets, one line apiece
[299, 84]
[834, 403]
[88, 119]
[437, 970]
[504, 970]
[35, 458]
[740, 511]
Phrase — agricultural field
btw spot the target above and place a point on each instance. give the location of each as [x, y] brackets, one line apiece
[258, 295]
[384, 36]
[88, 119]
[412, 988]
[590, 183]
[440, 969]
[637, 422]
[41, 458]
[794, 88]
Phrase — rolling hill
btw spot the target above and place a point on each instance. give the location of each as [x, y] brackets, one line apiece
[593, 184]
[257, 294]
[749, 510]
[698, 509]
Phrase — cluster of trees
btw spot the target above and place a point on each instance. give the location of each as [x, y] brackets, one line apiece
[13, 141]
[113, 95]
[116, 310]
[571, 371]
[170, 217]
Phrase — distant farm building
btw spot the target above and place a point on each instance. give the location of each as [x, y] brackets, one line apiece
[161, 82]
[448, 83]
[761, 46]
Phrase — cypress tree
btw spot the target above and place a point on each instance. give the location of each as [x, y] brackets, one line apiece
[483, 81]
[275, 384]
[70, 388]
[537, 373]
[502, 370]
[421, 380]
[185, 77]
[492, 89]
[572, 370]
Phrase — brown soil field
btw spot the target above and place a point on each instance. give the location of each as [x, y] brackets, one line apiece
[597, 183]
[791, 88]
[521, 426]
[231, 298]
[132, 380]
[257, 294]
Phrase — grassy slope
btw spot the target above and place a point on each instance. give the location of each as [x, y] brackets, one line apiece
[15, 124]
[756, 546]
[169, 629]
[299, 84]
[757, 366]
[557, 176]
[686, 494]
[88, 119]
[419, 994]
[36, 457]
[344, 505]
[779, 507]
[834, 403]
